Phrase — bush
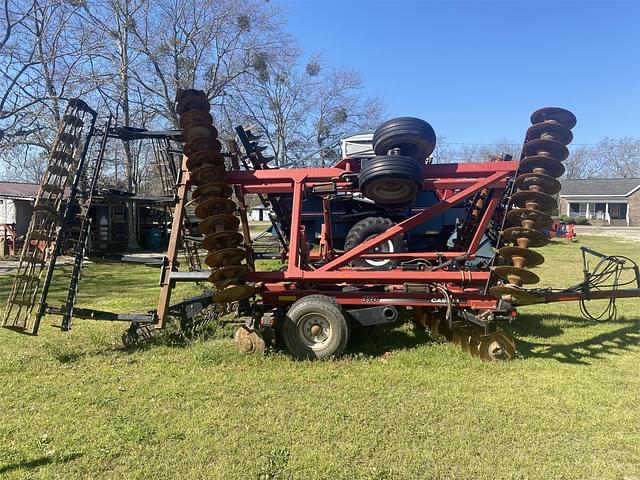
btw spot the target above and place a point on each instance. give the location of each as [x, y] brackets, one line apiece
[581, 221]
[568, 220]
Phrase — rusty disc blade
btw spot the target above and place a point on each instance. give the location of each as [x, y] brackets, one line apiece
[213, 189]
[457, 334]
[512, 294]
[53, 189]
[207, 157]
[493, 348]
[248, 341]
[474, 344]
[554, 114]
[420, 317]
[544, 165]
[45, 210]
[465, 335]
[550, 131]
[197, 130]
[546, 148]
[195, 116]
[435, 321]
[192, 102]
[523, 199]
[444, 330]
[234, 294]
[224, 257]
[206, 174]
[220, 240]
[531, 181]
[431, 319]
[522, 236]
[61, 156]
[507, 272]
[202, 144]
[79, 104]
[541, 220]
[40, 237]
[58, 170]
[531, 257]
[504, 336]
[213, 206]
[72, 120]
[230, 272]
[68, 139]
[218, 223]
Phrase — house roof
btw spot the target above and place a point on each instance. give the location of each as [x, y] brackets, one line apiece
[599, 186]
[19, 190]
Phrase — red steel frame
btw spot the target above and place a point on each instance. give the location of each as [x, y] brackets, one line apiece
[452, 183]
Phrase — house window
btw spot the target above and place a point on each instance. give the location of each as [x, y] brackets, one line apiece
[577, 209]
[618, 211]
[597, 211]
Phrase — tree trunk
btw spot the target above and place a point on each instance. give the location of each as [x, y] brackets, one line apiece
[132, 243]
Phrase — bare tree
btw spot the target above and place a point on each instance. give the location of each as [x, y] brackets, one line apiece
[43, 58]
[208, 44]
[620, 158]
[583, 162]
[304, 109]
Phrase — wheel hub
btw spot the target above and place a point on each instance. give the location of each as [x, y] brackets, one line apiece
[314, 330]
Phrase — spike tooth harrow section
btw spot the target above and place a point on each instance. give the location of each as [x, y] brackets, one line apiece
[544, 151]
[64, 159]
[216, 210]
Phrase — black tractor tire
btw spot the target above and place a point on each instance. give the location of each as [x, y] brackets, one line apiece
[391, 181]
[315, 311]
[368, 228]
[414, 137]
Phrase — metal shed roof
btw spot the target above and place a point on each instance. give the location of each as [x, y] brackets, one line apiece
[19, 190]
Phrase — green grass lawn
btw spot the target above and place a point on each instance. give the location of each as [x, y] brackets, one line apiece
[76, 405]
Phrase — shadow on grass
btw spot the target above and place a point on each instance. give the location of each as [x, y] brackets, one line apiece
[39, 462]
[616, 341]
[385, 340]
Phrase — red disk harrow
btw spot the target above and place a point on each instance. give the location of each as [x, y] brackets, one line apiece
[448, 245]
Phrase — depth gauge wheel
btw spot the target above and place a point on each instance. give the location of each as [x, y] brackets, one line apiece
[368, 228]
[315, 328]
[391, 181]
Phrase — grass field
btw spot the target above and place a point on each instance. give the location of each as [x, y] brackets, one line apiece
[76, 405]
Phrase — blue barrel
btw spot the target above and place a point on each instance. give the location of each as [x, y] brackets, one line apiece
[155, 238]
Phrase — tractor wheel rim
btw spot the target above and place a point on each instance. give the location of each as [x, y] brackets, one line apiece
[391, 191]
[314, 331]
[381, 248]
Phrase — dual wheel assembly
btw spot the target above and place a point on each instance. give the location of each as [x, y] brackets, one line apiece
[212, 197]
[394, 177]
[544, 150]
[471, 338]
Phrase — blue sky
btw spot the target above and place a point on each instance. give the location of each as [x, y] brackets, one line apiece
[476, 70]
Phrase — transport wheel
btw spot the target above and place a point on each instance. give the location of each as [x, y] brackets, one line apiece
[414, 137]
[315, 328]
[368, 228]
[391, 181]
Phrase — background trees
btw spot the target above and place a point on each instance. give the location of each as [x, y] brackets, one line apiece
[127, 58]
